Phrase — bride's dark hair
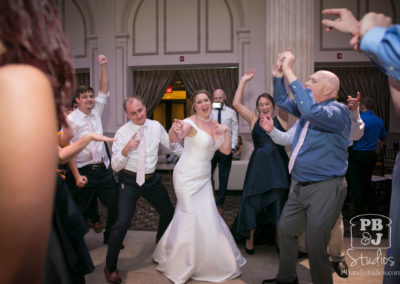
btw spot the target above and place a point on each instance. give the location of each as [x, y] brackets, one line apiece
[31, 33]
[198, 92]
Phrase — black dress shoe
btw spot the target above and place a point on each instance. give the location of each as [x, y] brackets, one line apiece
[302, 255]
[274, 281]
[249, 251]
[112, 277]
[341, 268]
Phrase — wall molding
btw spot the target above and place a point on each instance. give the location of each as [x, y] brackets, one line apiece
[208, 50]
[134, 53]
[198, 33]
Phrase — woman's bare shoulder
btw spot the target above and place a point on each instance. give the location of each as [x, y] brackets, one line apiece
[22, 76]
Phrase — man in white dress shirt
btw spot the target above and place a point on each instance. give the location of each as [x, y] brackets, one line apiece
[91, 167]
[226, 116]
[135, 156]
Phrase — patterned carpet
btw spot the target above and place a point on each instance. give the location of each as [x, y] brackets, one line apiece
[146, 217]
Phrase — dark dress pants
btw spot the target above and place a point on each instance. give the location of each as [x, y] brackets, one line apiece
[224, 167]
[101, 184]
[358, 176]
[129, 192]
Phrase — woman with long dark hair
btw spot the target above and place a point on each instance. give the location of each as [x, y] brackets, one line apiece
[36, 81]
[266, 184]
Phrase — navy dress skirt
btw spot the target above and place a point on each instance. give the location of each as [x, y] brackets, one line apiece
[266, 185]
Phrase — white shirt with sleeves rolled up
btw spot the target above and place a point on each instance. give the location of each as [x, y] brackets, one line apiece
[228, 118]
[286, 138]
[79, 122]
[155, 135]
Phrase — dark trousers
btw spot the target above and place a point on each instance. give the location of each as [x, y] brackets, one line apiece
[101, 184]
[224, 167]
[129, 192]
[358, 176]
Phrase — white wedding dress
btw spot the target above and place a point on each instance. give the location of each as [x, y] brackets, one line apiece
[197, 243]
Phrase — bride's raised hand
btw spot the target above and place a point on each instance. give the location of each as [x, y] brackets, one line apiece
[177, 127]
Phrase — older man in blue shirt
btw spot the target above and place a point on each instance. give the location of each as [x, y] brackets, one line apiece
[318, 164]
[380, 41]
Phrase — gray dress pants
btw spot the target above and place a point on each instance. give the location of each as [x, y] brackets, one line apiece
[315, 207]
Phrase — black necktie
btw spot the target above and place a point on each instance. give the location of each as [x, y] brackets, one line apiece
[219, 116]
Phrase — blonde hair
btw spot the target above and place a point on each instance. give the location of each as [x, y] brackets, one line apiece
[195, 94]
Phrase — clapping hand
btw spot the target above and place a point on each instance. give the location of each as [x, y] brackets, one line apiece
[267, 123]
[220, 129]
[353, 103]
[177, 127]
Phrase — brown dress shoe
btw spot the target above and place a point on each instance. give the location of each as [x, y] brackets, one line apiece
[112, 277]
[98, 227]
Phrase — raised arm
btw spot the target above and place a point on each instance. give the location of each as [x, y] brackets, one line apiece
[101, 99]
[357, 125]
[243, 111]
[235, 130]
[104, 75]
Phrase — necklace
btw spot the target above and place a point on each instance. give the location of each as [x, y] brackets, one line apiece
[202, 119]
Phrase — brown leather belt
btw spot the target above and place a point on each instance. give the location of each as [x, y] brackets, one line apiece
[146, 176]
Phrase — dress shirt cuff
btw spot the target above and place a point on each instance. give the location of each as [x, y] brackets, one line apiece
[176, 148]
[279, 137]
[102, 97]
[355, 114]
[119, 162]
[295, 86]
[371, 41]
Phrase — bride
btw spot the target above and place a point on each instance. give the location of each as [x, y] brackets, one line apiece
[197, 243]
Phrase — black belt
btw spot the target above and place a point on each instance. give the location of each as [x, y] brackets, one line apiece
[146, 176]
[305, 183]
[98, 166]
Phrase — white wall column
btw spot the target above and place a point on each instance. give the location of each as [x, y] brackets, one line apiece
[105, 16]
[290, 24]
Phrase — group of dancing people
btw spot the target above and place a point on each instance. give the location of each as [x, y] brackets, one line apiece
[193, 241]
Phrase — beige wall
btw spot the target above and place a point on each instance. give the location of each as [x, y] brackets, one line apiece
[138, 34]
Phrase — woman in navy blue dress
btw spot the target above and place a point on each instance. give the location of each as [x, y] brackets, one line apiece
[266, 185]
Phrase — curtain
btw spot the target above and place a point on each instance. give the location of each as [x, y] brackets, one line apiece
[370, 82]
[82, 78]
[210, 80]
[151, 86]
